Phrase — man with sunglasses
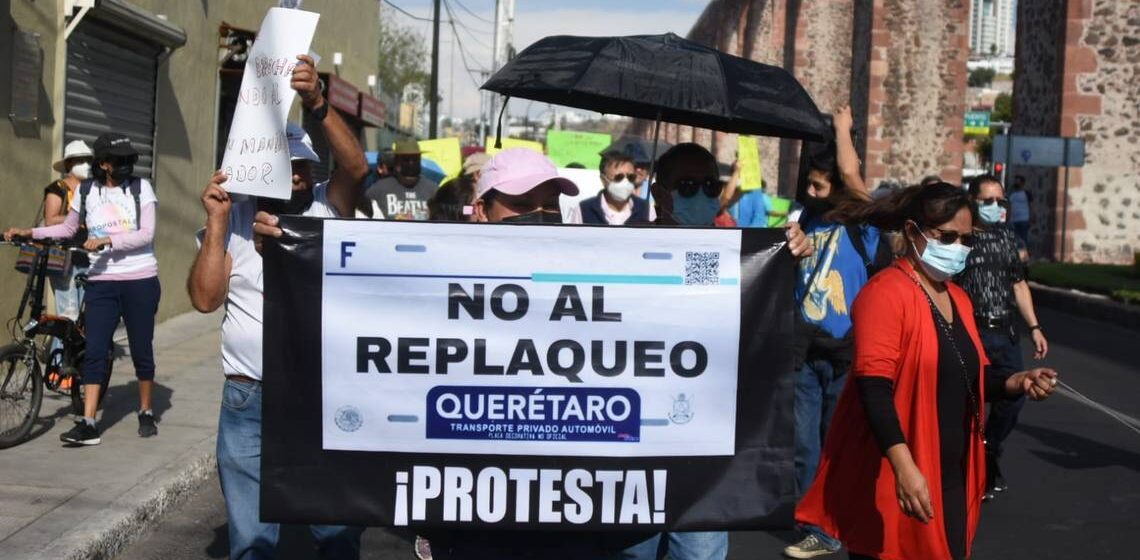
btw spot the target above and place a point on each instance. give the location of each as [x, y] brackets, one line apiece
[995, 280]
[617, 204]
[687, 192]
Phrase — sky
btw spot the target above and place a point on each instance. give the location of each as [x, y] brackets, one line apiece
[534, 19]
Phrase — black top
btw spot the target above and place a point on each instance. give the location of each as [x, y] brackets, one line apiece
[402, 203]
[992, 269]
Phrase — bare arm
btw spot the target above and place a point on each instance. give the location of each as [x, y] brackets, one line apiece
[344, 190]
[1024, 299]
[53, 206]
[729, 190]
[845, 153]
[209, 279]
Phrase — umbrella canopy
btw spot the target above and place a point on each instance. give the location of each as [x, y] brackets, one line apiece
[666, 78]
[640, 149]
[431, 170]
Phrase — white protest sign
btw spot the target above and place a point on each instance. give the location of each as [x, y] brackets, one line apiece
[530, 340]
[256, 158]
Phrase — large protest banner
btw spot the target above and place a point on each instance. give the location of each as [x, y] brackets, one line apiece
[527, 377]
[256, 157]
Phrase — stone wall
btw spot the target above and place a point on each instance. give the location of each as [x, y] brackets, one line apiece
[1102, 105]
[917, 90]
[1037, 107]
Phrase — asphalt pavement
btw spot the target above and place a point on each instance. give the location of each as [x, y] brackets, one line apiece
[1074, 474]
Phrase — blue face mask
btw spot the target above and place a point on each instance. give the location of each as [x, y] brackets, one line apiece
[696, 210]
[991, 213]
[941, 262]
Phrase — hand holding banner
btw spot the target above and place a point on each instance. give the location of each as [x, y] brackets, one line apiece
[256, 158]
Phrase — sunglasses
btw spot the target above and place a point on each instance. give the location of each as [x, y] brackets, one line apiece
[946, 237]
[689, 187]
[623, 176]
[993, 200]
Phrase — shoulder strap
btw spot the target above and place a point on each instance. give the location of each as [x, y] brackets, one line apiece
[855, 234]
[135, 186]
[84, 190]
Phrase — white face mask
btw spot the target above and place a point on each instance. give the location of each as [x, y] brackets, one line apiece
[81, 170]
[621, 190]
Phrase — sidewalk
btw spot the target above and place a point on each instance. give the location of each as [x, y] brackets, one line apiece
[58, 502]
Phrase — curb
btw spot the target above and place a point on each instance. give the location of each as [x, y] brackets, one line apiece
[134, 517]
[1089, 306]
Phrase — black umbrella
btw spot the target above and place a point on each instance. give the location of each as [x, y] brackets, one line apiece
[663, 78]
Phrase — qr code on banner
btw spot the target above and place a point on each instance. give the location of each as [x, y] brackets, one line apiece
[702, 268]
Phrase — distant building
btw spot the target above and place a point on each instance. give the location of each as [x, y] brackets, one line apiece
[992, 27]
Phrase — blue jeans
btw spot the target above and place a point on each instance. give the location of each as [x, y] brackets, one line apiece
[700, 545]
[239, 468]
[136, 302]
[818, 386]
[1003, 347]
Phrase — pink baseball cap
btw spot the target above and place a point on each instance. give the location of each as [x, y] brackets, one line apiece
[517, 171]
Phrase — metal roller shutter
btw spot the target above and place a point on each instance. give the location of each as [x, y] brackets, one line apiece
[111, 88]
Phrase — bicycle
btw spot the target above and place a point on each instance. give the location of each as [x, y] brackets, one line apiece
[21, 382]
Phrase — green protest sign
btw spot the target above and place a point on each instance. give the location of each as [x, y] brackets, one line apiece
[565, 147]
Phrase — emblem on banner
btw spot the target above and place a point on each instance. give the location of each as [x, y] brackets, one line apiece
[348, 419]
[682, 410]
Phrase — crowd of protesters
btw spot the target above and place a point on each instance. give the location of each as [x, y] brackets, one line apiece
[913, 293]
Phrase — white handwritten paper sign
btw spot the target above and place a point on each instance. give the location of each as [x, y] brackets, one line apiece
[257, 152]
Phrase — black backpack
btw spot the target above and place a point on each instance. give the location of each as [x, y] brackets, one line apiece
[133, 184]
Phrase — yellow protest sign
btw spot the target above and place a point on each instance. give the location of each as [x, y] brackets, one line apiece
[748, 158]
[513, 143]
[445, 152]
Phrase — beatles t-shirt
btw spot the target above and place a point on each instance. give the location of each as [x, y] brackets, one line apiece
[398, 202]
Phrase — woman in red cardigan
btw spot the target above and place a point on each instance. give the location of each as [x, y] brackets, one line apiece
[902, 471]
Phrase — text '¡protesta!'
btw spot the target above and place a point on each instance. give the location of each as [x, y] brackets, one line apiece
[522, 495]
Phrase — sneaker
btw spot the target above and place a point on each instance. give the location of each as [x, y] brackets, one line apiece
[82, 434]
[147, 425]
[423, 548]
[810, 547]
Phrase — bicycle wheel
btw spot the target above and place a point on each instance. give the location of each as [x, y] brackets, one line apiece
[21, 394]
[77, 382]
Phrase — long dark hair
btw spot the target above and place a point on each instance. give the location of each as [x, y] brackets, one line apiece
[448, 202]
[929, 207]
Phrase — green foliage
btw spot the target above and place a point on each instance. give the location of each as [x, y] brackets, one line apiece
[985, 148]
[403, 56]
[1120, 282]
[981, 77]
[1003, 108]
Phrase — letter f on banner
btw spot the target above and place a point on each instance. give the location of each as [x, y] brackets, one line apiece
[346, 251]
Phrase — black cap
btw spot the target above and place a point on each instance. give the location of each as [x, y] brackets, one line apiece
[113, 144]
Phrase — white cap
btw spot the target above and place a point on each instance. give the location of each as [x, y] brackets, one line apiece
[300, 145]
[73, 149]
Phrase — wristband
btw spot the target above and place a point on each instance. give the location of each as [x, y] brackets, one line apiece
[1036, 328]
[320, 112]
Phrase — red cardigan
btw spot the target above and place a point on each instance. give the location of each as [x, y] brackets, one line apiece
[853, 496]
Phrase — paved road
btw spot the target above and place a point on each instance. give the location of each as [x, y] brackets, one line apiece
[1074, 474]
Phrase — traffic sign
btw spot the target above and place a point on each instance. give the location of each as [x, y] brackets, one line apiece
[977, 122]
[1039, 151]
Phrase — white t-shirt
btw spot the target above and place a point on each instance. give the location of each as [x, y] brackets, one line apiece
[111, 210]
[241, 328]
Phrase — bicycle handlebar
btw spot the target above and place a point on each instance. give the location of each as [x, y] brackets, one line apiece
[18, 241]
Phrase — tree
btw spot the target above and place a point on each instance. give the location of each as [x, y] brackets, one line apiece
[981, 77]
[403, 55]
[1003, 108]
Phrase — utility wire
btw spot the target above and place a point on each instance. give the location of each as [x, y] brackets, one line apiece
[459, 22]
[409, 14]
[462, 49]
[473, 14]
